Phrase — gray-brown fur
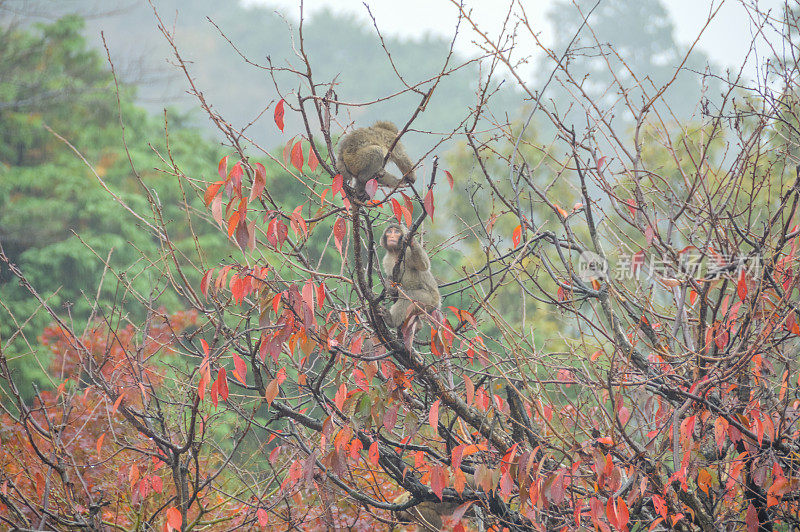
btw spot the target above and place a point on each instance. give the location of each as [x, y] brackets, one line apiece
[417, 287]
[362, 152]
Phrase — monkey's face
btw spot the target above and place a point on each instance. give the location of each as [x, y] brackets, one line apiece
[392, 238]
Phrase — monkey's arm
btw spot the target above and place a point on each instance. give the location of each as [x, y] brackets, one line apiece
[403, 162]
[416, 258]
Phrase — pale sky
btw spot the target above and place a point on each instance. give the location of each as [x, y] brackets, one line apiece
[726, 40]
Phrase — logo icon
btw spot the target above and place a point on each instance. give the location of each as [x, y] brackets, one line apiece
[592, 267]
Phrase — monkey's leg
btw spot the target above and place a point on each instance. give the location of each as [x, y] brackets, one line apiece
[387, 179]
[398, 313]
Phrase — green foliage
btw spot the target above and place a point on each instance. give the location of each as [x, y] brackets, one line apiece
[57, 221]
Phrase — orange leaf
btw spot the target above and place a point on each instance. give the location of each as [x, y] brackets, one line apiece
[133, 475]
[211, 191]
[100, 442]
[279, 115]
[117, 403]
[232, 223]
[516, 237]
[272, 391]
[704, 480]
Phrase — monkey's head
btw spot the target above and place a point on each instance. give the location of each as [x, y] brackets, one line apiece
[392, 239]
[388, 126]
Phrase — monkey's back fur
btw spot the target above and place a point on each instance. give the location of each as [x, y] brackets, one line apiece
[362, 152]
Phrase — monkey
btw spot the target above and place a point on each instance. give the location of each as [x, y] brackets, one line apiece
[362, 152]
[417, 291]
[416, 288]
[427, 515]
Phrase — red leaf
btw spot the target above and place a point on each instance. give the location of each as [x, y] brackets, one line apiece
[741, 286]
[259, 182]
[601, 162]
[279, 115]
[222, 386]
[235, 178]
[371, 188]
[456, 455]
[339, 229]
[263, 517]
[660, 505]
[751, 518]
[692, 297]
[373, 453]
[341, 395]
[449, 179]
[337, 187]
[297, 156]
[561, 294]
[240, 371]
[428, 203]
[470, 389]
[211, 191]
[624, 415]
[312, 159]
[516, 237]
[174, 519]
[206, 281]
[201, 386]
[637, 261]
[157, 483]
[623, 515]
[631, 207]
[649, 234]
[320, 294]
[433, 416]
[438, 480]
[222, 168]
[308, 294]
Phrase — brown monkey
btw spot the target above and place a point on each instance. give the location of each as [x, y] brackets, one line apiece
[417, 291]
[362, 152]
[427, 515]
